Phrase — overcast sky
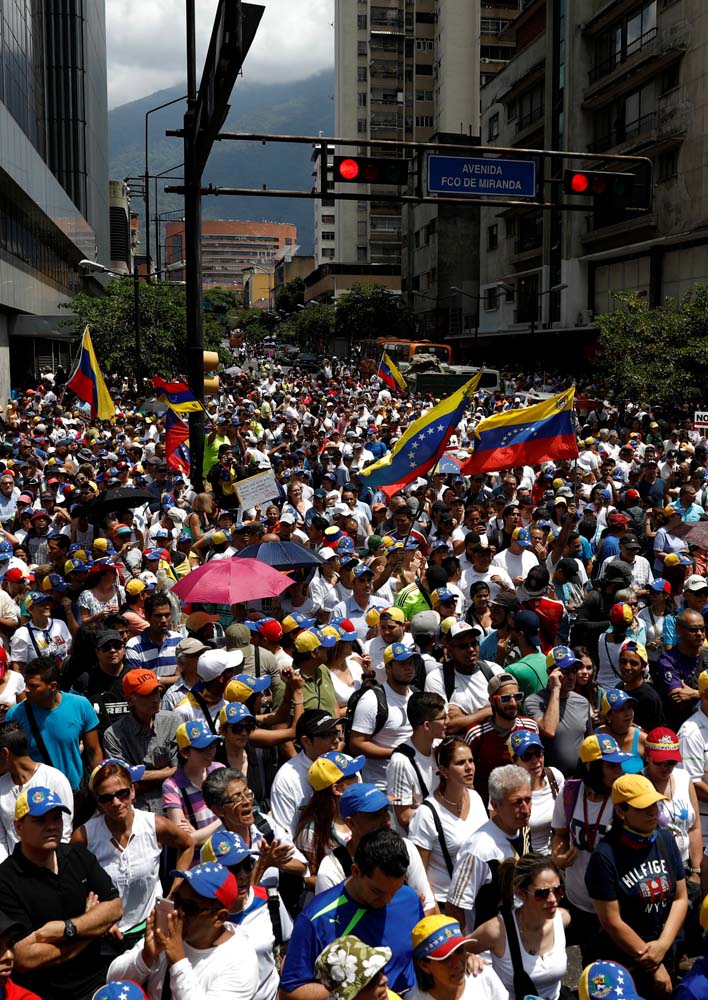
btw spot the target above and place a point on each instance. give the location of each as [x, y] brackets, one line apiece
[146, 43]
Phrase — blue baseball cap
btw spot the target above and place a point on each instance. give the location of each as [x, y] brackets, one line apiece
[361, 570]
[561, 656]
[522, 537]
[232, 713]
[75, 566]
[521, 740]
[211, 881]
[605, 980]
[439, 544]
[362, 798]
[399, 652]
[225, 848]
[38, 801]
[614, 698]
[151, 554]
[195, 733]
[119, 989]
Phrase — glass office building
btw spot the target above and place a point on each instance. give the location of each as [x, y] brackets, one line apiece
[53, 172]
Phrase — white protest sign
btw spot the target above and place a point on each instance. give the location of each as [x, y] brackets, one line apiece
[257, 489]
[700, 418]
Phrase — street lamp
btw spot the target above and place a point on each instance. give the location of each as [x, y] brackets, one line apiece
[94, 267]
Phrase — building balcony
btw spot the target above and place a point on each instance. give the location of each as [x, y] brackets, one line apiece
[534, 115]
[641, 129]
[385, 236]
[385, 70]
[644, 59]
[659, 129]
[392, 23]
[384, 101]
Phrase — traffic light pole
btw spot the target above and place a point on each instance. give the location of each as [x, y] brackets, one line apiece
[193, 257]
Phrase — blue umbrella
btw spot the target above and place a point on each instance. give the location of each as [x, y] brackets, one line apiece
[281, 555]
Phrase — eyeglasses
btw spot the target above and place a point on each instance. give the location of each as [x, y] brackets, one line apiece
[472, 644]
[112, 647]
[246, 866]
[105, 798]
[693, 629]
[533, 754]
[240, 800]
[506, 699]
[242, 727]
[664, 763]
[541, 894]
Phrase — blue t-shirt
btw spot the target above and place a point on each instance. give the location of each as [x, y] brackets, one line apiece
[61, 729]
[334, 913]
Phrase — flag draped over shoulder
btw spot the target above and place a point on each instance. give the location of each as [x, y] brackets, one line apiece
[177, 455]
[421, 445]
[177, 395]
[87, 382]
[528, 436]
[390, 375]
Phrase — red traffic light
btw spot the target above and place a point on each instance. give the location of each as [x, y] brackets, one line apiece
[348, 170]
[579, 183]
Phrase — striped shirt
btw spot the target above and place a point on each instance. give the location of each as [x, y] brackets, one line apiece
[176, 788]
[142, 652]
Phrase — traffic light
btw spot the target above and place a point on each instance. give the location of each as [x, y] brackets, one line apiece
[370, 170]
[618, 190]
[211, 379]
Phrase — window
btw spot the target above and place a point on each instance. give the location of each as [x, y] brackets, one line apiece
[510, 230]
[668, 165]
[423, 95]
[328, 253]
[361, 228]
[669, 79]
[492, 237]
[491, 298]
[424, 17]
[424, 69]
[423, 121]
[361, 22]
[362, 254]
[493, 127]
[328, 220]
[361, 100]
[328, 203]
[361, 126]
[512, 110]
[362, 48]
[327, 236]
[424, 44]
[362, 74]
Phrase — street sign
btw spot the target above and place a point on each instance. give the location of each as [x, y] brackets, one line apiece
[480, 177]
[700, 418]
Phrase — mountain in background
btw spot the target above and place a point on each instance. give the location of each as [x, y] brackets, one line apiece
[300, 107]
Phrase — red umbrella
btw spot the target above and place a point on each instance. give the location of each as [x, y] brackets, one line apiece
[231, 581]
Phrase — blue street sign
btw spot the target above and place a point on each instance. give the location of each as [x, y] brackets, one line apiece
[481, 178]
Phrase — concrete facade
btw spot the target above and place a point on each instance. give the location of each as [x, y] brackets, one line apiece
[625, 77]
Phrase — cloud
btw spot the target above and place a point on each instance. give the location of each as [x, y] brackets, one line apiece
[146, 43]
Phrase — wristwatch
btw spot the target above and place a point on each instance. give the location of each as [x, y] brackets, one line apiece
[69, 929]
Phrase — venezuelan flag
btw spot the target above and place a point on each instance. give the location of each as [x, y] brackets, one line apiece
[421, 445]
[390, 375]
[177, 454]
[87, 382]
[177, 395]
[528, 436]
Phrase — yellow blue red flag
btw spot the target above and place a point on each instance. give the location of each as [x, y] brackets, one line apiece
[177, 454]
[87, 382]
[390, 375]
[177, 395]
[421, 445]
[527, 436]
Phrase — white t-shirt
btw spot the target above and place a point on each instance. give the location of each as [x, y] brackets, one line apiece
[486, 986]
[46, 777]
[291, 788]
[402, 782]
[542, 806]
[331, 873]
[595, 825]
[15, 685]
[456, 830]
[677, 812]
[515, 565]
[55, 640]
[693, 740]
[395, 729]
[375, 649]
[471, 870]
[470, 576]
[471, 692]
[255, 921]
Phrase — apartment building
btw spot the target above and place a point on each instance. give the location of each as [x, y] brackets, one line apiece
[228, 247]
[626, 77]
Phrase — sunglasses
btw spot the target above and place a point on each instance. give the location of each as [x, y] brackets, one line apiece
[105, 798]
[664, 763]
[242, 727]
[693, 629]
[532, 754]
[541, 894]
[246, 866]
[113, 647]
[506, 699]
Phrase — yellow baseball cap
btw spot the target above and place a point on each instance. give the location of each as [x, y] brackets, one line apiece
[703, 681]
[436, 937]
[395, 614]
[636, 791]
[330, 768]
[601, 747]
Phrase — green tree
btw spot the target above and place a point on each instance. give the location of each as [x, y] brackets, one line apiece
[290, 296]
[368, 311]
[655, 354]
[163, 326]
[311, 327]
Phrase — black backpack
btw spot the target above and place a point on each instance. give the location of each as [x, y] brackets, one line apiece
[381, 712]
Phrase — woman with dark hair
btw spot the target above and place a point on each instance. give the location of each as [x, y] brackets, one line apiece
[445, 819]
[527, 750]
[637, 884]
[82, 658]
[127, 843]
[527, 939]
[478, 612]
[446, 968]
[585, 683]
[203, 516]
[581, 817]
[103, 596]
[320, 828]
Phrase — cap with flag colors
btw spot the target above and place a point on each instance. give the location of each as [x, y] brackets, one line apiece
[87, 382]
[421, 445]
[525, 437]
[390, 375]
[38, 801]
[177, 395]
[605, 980]
[212, 881]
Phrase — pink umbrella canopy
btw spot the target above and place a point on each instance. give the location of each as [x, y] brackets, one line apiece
[231, 581]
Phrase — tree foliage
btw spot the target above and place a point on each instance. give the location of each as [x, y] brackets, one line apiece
[368, 311]
[290, 296]
[312, 326]
[656, 354]
[163, 325]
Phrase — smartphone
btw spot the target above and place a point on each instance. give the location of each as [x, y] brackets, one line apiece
[163, 908]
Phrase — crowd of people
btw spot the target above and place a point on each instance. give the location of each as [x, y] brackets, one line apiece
[471, 731]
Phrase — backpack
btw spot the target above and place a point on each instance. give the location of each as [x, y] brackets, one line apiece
[571, 791]
[381, 712]
[449, 675]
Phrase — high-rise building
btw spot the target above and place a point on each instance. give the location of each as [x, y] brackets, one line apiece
[53, 172]
[228, 247]
[620, 78]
